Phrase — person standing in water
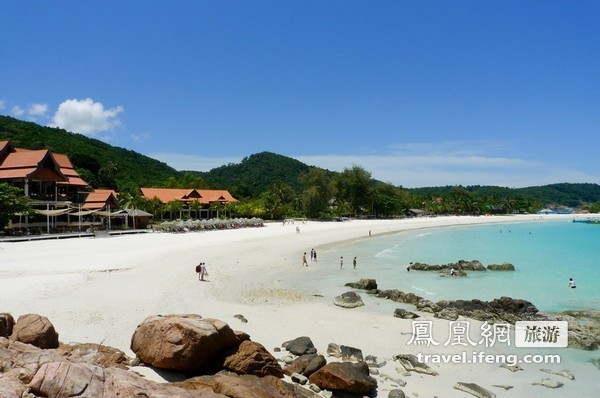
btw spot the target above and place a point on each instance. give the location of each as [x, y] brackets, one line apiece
[572, 283]
[341, 262]
[354, 262]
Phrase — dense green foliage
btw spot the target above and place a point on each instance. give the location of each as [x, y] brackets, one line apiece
[570, 195]
[256, 173]
[99, 163]
[273, 186]
[11, 202]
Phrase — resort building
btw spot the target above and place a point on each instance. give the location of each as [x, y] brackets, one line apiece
[196, 203]
[49, 179]
[64, 202]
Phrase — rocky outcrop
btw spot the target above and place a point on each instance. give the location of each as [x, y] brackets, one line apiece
[501, 267]
[348, 377]
[548, 383]
[97, 354]
[401, 313]
[584, 328]
[344, 352]
[461, 265]
[474, 390]
[299, 364]
[364, 284]
[7, 322]
[504, 309]
[48, 373]
[36, 330]
[246, 386]
[348, 300]
[411, 363]
[300, 346]
[449, 314]
[252, 358]
[96, 371]
[186, 343]
[316, 363]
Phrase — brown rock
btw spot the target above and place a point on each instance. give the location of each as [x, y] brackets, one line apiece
[186, 343]
[6, 324]
[345, 376]
[315, 364]
[253, 358]
[36, 330]
[101, 355]
[249, 386]
[299, 364]
[45, 373]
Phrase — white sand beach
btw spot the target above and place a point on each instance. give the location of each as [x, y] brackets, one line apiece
[99, 289]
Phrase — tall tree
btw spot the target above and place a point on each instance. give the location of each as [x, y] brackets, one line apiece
[12, 201]
[318, 190]
[354, 188]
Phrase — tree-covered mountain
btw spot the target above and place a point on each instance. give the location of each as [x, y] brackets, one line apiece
[563, 194]
[99, 163]
[256, 173]
[104, 165]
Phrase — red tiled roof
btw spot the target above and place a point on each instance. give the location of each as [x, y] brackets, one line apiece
[16, 173]
[23, 159]
[205, 196]
[25, 163]
[99, 198]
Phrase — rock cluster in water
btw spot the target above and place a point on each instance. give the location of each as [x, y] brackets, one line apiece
[584, 326]
[460, 267]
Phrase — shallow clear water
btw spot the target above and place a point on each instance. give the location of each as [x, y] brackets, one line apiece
[545, 254]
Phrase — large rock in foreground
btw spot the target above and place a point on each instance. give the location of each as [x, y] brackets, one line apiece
[187, 343]
[246, 386]
[252, 358]
[349, 377]
[36, 330]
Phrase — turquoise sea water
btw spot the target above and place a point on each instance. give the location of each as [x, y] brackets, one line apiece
[545, 254]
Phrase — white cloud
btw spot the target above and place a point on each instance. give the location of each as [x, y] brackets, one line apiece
[193, 162]
[426, 171]
[424, 165]
[37, 109]
[140, 137]
[17, 111]
[86, 117]
[2, 104]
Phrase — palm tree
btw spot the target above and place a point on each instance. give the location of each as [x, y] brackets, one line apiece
[131, 200]
[174, 206]
[195, 206]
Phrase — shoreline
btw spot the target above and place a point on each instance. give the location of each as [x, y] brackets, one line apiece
[98, 290]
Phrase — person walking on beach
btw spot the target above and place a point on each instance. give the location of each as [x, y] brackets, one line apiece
[304, 263]
[201, 271]
[341, 262]
[572, 283]
[315, 255]
[312, 254]
[354, 262]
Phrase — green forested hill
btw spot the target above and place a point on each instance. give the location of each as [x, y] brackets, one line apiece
[104, 165]
[256, 173]
[99, 163]
[564, 194]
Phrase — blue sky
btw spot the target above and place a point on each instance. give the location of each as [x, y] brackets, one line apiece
[419, 93]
